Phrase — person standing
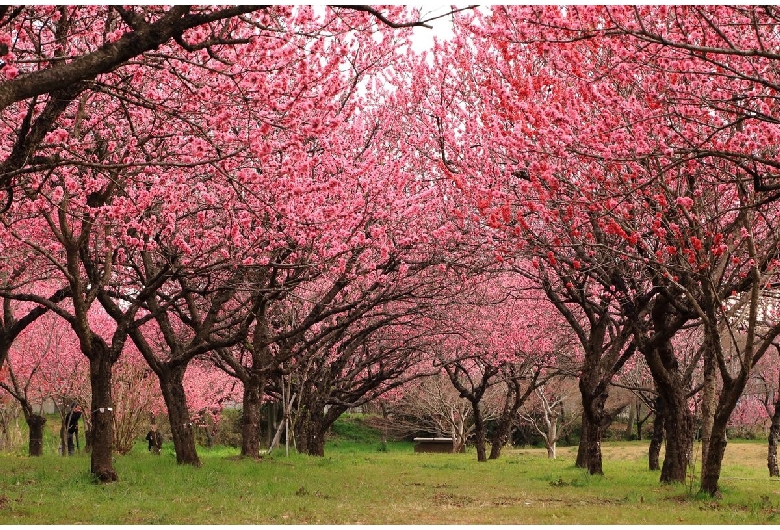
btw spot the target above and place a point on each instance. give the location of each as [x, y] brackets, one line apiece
[72, 421]
[155, 439]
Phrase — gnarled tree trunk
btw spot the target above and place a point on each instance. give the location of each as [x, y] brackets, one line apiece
[251, 416]
[500, 437]
[310, 439]
[514, 399]
[311, 424]
[182, 429]
[593, 440]
[672, 384]
[594, 418]
[310, 430]
[679, 437]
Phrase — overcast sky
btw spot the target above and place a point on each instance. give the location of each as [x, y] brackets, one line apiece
[442, 28]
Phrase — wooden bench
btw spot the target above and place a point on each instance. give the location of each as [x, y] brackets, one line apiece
[433, 445]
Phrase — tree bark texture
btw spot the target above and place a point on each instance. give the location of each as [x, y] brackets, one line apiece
[582, 448]
[182, 429]
[514, 399]
[593, 447]
[632, 414]
[679, 438]
[774, 434]
[710, 472]
[708, 402]
[311, 425]
[102, 434]
[309, 431]
[111, 55]
[500, 437]
[479, 434]
[672, 385]
[36, 423]
[251, 417]
[594, 417]
[729, 396]
[657, 440]
[551, 438]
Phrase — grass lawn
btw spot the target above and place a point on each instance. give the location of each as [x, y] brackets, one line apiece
[356, 483]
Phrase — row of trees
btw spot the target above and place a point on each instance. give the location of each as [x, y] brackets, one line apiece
[469, 399]
[624, 157]
[295, 196]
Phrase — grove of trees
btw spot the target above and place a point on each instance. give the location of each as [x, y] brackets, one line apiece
[561, 215]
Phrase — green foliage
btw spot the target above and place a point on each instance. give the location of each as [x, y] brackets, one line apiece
[353, 428]
[352, 486]
[354, 432]
[227, 430]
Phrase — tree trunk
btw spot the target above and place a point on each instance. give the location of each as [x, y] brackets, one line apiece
[582, 448]
[182, 429]
[639, 420]
[593, 417]
[207, 430]
[551, 438]
[271, 422]
[102, 433]
[594, 451]
[708, 400]
[250, 417]
[36, 422]
[679, 437]
[774, 434]
[710, 472]
[254, 385]
[632, 414]
[459, 437]
[672, 383]
[479, 433]
[385, 422]
[64, 437]
[654, 453]
[513, 400]
[500, 437]
[310, 429]
[312, 443]
[729, 396]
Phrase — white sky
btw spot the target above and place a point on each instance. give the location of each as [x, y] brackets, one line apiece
[422, 39]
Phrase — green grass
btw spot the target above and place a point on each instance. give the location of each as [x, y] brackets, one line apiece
[356, 483]
[352, 432]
